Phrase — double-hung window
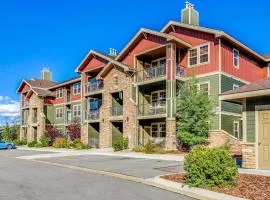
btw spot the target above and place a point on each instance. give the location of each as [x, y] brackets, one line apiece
[59, 113]
[158, 98]
[77, 110]
[236, 129]
[59, 93]
[199, 55]
[204, 87]
[76, 88]
[236, 58]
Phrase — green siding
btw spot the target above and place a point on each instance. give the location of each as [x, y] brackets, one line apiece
[227, 123]
[49, 113]
[116, 134]
[59, 120]
[226, 85]
[214, 92]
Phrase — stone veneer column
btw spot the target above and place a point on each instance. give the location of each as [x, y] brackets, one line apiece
[171, 95]
[249, 155]
[41, 118]
[84, 133]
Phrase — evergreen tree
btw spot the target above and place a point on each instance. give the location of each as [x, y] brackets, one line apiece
[6, 132]
[193, 113]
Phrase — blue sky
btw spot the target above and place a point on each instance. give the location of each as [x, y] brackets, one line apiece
[57, 34]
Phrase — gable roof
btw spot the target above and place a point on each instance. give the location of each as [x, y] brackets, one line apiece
[40, 92]
[67, 82]
[148, 31]
[217, 33]
[91, 53]
[37, 83]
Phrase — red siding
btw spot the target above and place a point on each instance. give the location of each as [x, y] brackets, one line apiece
[143, 45]
[73, 96]
[196, 38]
[94, 63]
[58, 100]
[25, 88]
[249, 69]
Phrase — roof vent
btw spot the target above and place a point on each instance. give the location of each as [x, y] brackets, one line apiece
[189, 15]
[113, 52]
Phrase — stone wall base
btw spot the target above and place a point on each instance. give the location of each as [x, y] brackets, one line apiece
[249, 156]
[171, 143]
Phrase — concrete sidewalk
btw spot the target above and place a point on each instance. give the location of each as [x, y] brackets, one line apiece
[104, 152]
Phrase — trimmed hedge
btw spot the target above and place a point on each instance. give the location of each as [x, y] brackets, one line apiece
[120, 144]
[207, 168]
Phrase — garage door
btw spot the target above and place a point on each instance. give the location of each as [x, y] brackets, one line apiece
[264, 139]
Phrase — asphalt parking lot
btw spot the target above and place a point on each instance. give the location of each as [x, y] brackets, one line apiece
[142, 168]
[28, 180]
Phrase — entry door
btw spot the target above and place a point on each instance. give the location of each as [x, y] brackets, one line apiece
[264, 139]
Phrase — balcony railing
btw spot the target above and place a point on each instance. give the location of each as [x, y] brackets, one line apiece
[154, 108]
[25, 103]
[93, 87]
[67, 99]
[91, 115]
[151, 73]
[117, 111]
[34, 119]
[181, 71]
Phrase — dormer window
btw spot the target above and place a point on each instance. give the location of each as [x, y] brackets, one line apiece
[236, 58]
[199, 55]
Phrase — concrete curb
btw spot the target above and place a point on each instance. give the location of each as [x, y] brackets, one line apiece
[194, 192]
[70, 152]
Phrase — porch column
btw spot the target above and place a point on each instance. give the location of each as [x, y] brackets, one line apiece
[84, 133]
[171, 95]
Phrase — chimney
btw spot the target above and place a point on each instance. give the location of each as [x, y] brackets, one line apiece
[113, 52]
[189, 15]
[46, 74]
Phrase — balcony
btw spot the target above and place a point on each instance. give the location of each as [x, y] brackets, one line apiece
[92, 115]
[93, 87]
[152, 109]
[117, 111]
[25, 103]
[181, 71]
[151, 73]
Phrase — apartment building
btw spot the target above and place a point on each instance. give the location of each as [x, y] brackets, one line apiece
[133, 94]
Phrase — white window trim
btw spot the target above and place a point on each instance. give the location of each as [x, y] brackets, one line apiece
[238, 126]
[238, 63]
[76, 88]
[158, 123]
[205, 82]
[158, 60]
[158, 92]
[57, 113]
[198, 55]
[73, 111]
[57, 92]
[235, 86]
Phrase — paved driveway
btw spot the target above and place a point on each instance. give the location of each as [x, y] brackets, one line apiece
[27, 180]
[142, 168]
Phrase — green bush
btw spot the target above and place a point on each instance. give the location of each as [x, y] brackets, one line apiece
[20, 142]
[38, 145]
[150, 147]
[32, 144]
[120, 144]
[208, 168]
[60, 142]
[45, 141]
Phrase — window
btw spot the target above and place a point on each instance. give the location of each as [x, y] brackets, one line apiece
[235, 86]
[158, 130]
[236, 58]
[204, 87]
[77, 111]
[59, 93]
[59, 113]
[158, 98]
[77, 88]
[236, 129]
[199, 55]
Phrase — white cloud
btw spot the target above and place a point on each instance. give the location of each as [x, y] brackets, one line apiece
[9, 107]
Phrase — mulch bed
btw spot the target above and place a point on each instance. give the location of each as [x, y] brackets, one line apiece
[252, 187]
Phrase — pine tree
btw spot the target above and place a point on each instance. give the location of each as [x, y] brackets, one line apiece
[194, 110]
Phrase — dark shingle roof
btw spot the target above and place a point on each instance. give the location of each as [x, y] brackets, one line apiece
[43, 92]
[263, 84]
[39, 83]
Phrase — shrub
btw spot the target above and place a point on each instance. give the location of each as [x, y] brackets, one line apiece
[44, 141]
[60, 142]
[74, 130]
[120, 144]
[52, 133]
[138, 149]
[150, 147]
[20, 142]
[32, 144]
[207, 167]
[38, 145]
